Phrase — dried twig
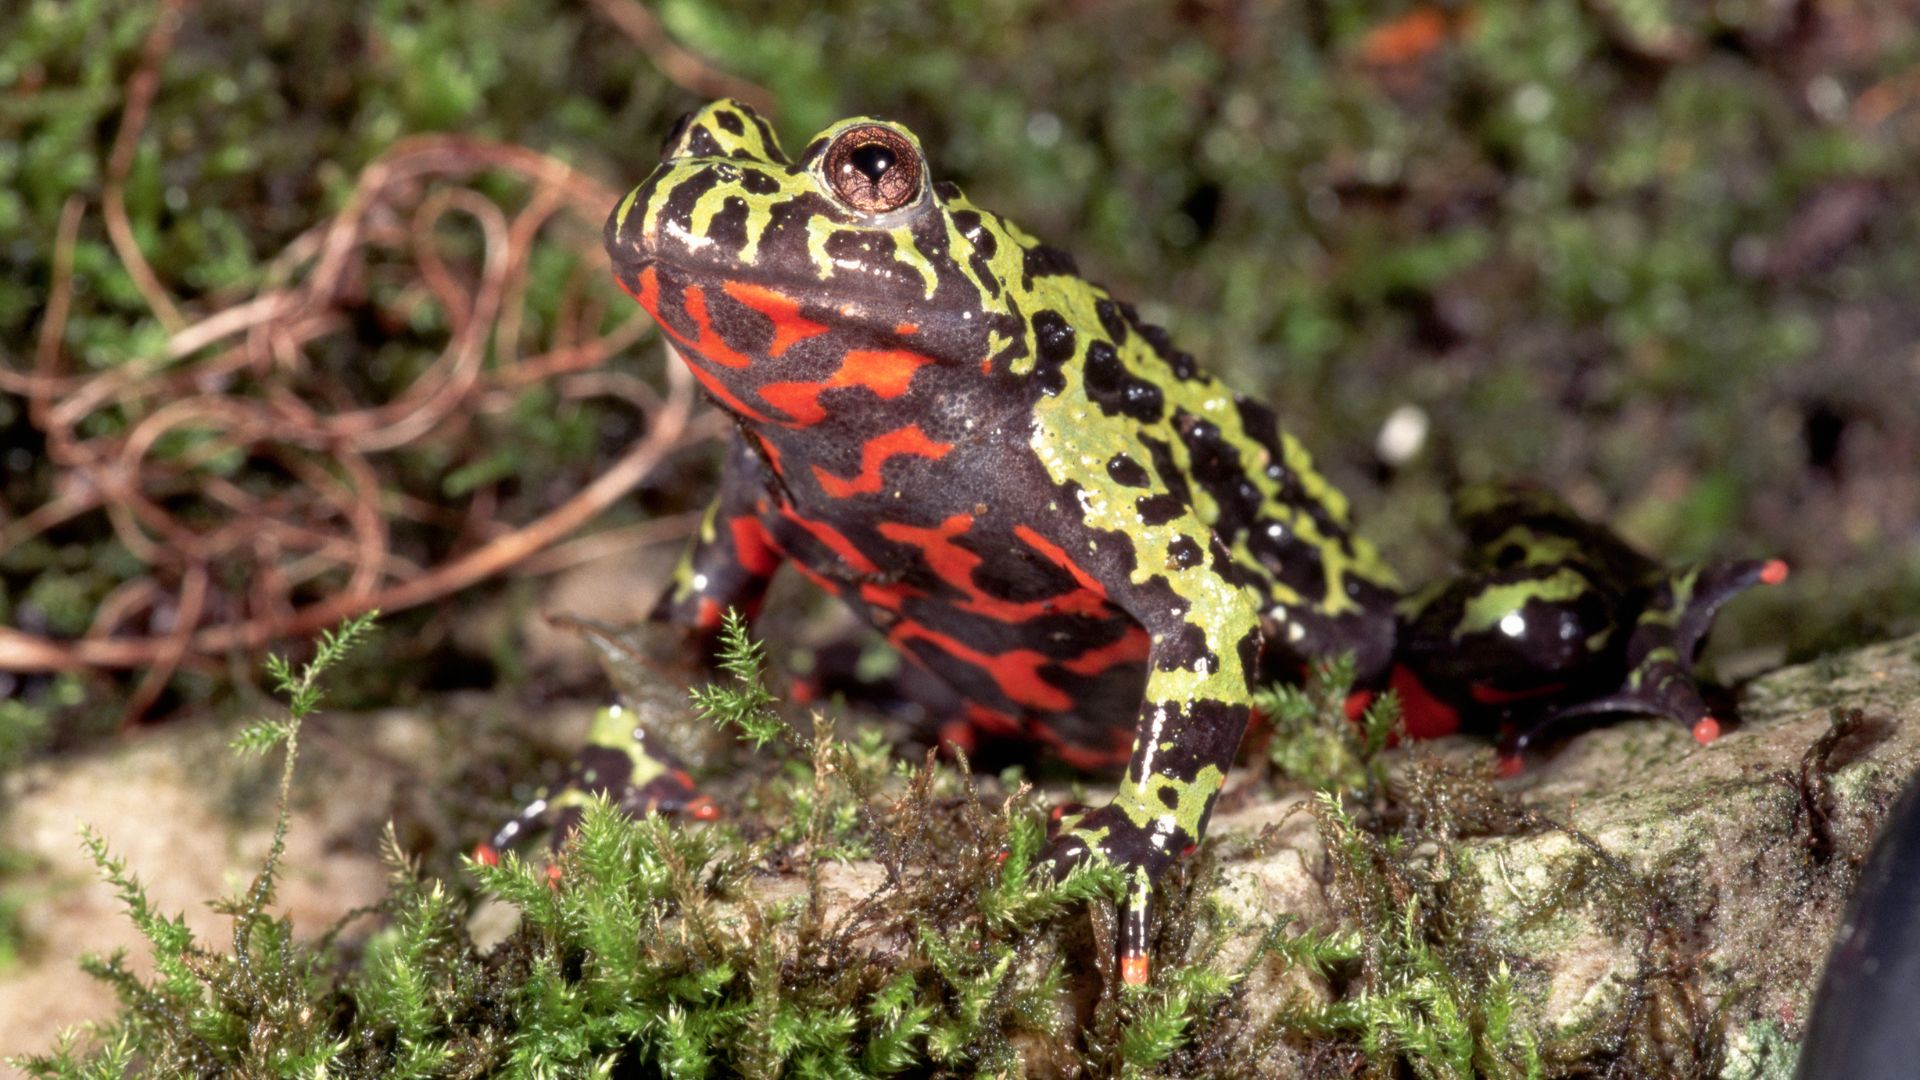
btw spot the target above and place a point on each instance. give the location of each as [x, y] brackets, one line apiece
[240, 380]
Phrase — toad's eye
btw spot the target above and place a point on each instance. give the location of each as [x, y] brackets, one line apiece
[873, 169]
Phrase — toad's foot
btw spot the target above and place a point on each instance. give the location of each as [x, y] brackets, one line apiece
[619, 762]
[1108, 836]
[1667, 637]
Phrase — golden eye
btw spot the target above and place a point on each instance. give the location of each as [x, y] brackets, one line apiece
[873, 169]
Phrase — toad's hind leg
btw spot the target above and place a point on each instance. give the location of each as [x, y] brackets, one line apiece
[1662, 645]
[1555, 619]
[728, 567]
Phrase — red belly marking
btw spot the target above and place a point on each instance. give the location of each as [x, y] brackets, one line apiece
[908, 441]
[781, 310]
[886, 372]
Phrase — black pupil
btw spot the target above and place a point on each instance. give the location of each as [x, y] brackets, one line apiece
[873, 160]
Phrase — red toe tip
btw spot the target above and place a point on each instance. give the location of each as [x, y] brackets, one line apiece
[1705, 730]
[1511, 764]
[1134, 970]
[703, 808]
[553, 875]
[1774, 572]
[486, 854]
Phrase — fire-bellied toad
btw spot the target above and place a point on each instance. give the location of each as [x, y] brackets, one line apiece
[1039, 499]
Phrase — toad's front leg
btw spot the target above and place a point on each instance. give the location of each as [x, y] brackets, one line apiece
[1205, 633]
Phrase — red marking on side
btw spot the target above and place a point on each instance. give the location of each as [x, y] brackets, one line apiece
[486, 854]
[703, 808]
[889, 596]
[780, 309]
[697, 351]
[958, 734]
[723, 395]
[1060, 558]
[1511, 765]
[1423, 715]
[886, 372]
[955, 565]
[1132, 646]
[1774, 572]
[835, 541]
[906, 329]
[805, 691]
[908, 441]
[1356, 704]
[710, 344]
[826, 584]
[553, 875]
[1135, 970]
[1016, 672]
[1089, 758]
[991, 721]
[753, 546]
[648, 294]
[709, 616]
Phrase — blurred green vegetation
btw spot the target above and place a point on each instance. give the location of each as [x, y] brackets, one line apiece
[1657, 253]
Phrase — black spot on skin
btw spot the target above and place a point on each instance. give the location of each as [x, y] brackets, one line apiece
[1259, 422]
[814, 149]
[976, 233]
[984, 246]
[875, 250]
[730, 124]
[1155, 336]
[1184, 553]
[1181, 363]
[1159, 509]
[947, 190]
[1053, 347]
[1215, 462]
[1125, 470]
[1234, 573]
[1170, 798]
[1172, 477]
[758, 183]
[1116, 390]
[1185, 649]
[1114, 323]
[680, 202]
[1301, 570]
[729, 228]
[1043, 261]
[1249, 648]
[701, 143]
